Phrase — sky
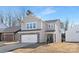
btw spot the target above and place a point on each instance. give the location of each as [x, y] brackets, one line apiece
[63, 13]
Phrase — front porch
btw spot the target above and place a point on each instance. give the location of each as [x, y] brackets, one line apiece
[51, 37]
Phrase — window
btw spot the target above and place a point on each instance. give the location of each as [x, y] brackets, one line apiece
[31, 25]
[51, 26]
[28, 26]
[34, 25]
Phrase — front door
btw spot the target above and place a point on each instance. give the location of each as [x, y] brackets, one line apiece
[50, 38]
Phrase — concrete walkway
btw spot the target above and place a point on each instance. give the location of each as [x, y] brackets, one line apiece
[10, 47]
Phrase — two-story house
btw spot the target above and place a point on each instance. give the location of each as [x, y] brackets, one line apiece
[35, 30]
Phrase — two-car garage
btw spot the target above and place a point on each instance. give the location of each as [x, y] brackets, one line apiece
[29, 38]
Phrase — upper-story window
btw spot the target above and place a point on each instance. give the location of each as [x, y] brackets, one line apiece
[51, 26]
[31, 25]
[28, 26]
[34, 25]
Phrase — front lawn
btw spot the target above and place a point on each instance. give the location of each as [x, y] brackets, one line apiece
[51, 48]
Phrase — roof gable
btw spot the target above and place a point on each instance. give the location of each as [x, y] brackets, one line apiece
[31, 18]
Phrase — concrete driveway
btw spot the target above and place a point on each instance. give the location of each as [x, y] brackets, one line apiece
[10, 47]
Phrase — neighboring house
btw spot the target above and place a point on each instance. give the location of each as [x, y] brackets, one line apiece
[9, 33]
[72, 34]
[35, 30]
[2, 27]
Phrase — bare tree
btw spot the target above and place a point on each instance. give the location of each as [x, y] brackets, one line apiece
[1, 17]
[66, 25]
[6, 20]
[9, 17]
[17, 20]
[19, 17]
[10, 20]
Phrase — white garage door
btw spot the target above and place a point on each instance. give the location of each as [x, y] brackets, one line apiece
[31, 38]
